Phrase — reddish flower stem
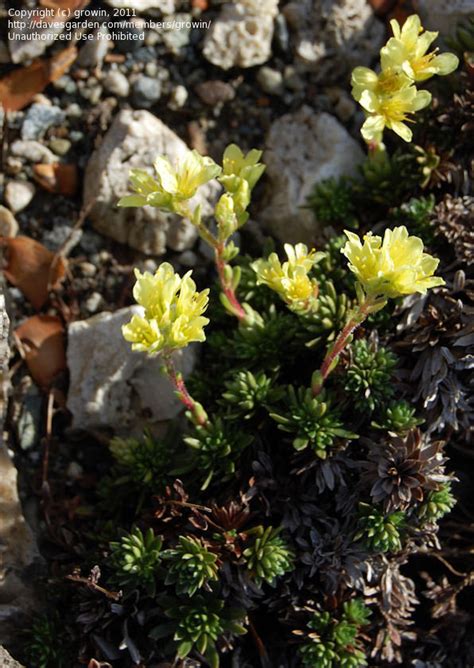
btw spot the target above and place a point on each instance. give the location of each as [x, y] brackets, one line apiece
[340, 344]
[227, 288]
[177, 380]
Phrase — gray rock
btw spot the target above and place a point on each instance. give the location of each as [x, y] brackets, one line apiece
[134, 140]
[116, 83]
[110, 385]
[33, 151]
[39, 118]
[146, 91]
[241, 36]
[130, 34]
[441, 15]
[7, 661]
[8, 223]
[17, 545]
[93, 52]
[18, 194]
[302, 149]
[330, 38]
[165, 6]
[270, 80]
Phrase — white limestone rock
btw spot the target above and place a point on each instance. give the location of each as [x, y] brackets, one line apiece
[134, 140]
[241, 36]
[111, 386]
[330, 38]
[442, 15]
[302, 149]
[165, 6]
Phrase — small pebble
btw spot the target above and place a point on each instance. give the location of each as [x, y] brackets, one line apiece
[214, 92]
[8, 223]
[76, 135]
[146, 91]
[18, 194]
[345, 108]
[14, 166]
[270, 80]
[116, 83]
[60, 146]
[74, 471]
[94, 302]
[178, 97]
[88, 269]
[292, 79]
[188, 259]
[151, 69]
[33, 151]
[151, 38]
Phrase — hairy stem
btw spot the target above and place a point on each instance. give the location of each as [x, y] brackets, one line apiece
[176, 377]
[226, 286]
[357, 319]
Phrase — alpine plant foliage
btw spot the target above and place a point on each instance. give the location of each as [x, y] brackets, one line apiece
[278, 521]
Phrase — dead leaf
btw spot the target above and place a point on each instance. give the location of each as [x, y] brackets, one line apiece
[71, 5]
[18, 88]
[42, 339]
[32, 268]
[57, 178]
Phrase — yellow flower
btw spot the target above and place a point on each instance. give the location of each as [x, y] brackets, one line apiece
[407, 50]
[237, 166]
[290, 279]
[391, 267]
[388, 98]
[172, 311]
[171, 186]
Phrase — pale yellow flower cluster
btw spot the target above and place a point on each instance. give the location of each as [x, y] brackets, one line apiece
[172, 185]
[389, 98]
[172, 311]
[290, 279]
[393, 266]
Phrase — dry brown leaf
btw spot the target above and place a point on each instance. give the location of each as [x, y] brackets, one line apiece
[57, 178]
[32, 268]
[18, 88]
[42, 338]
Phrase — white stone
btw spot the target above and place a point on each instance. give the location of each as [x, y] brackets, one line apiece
[241, 36]
[18, 194]
[330, 38]
[134, 140]
[33, 151]
[303, 148]
[8, 223]
[443, 15]
[165, 6]
[111, 386]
